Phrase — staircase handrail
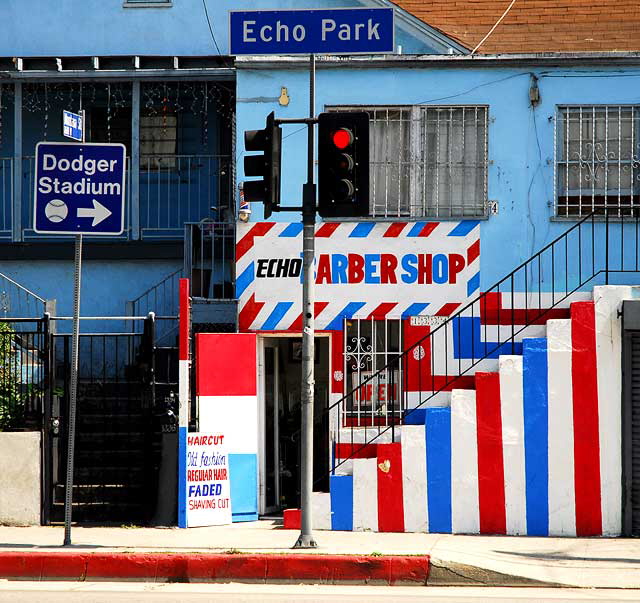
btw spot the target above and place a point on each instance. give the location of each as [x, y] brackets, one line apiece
[491, 348]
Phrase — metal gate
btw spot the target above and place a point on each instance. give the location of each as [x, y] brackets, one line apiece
[631, 418]
[122, 410]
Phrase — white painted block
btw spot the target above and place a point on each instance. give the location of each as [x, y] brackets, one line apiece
[562, 499]
[465, 506]
[414, 478]
[365, 495]
[608, 300]
[512, 414]
[321, 510]
[234, 416]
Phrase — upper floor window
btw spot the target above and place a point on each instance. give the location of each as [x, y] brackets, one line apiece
[427, 161]
[598, 160]
[146, 3]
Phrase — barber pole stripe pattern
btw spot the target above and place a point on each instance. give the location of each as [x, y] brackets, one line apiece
[521, 454]
[256, 315]
[184, 328]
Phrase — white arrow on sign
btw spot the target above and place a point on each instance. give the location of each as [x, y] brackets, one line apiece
[98, 212]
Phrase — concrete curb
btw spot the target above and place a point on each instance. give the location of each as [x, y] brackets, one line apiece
[202, 567]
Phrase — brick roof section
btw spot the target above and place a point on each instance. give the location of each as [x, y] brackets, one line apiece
[535, 25]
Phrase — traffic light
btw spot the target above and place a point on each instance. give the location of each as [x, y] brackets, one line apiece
[266, 165]
[343, 165]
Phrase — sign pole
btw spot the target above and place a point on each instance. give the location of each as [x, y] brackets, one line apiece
[306, 539]
[75, 341]
[68, 486]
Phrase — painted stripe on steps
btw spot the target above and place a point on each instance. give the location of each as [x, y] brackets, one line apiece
[390, 503]
[321, 507]
[365, 482]
[585, 420]
[414, 478]
[341, 487]
[536, 443]
[438, 437]
[511, 409]
[465, 518]
[562, 517]
[608, 301]
[490, 463]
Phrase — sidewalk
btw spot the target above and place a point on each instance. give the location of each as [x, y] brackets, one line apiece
[474, 560]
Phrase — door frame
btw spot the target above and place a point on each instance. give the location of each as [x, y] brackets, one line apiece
[263, 341]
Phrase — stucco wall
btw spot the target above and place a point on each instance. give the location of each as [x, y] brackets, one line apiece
[20, 478]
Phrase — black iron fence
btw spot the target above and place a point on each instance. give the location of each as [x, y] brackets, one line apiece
[24, 370]
[596, 250]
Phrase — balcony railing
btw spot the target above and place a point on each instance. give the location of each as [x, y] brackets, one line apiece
[171, 190]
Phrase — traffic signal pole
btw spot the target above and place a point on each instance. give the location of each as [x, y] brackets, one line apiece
[306, 539]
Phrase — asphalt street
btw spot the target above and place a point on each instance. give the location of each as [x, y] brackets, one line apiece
[118, 592]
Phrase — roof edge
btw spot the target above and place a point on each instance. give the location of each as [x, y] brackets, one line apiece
[417, 27]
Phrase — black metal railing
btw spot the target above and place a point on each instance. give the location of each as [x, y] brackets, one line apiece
[596, 250]
[209, 256]
[17, 301]
[24, 370]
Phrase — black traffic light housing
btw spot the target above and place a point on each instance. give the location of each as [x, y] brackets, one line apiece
[343, 165]
[266, 165]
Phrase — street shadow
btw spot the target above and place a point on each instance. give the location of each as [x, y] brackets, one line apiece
[565, 557]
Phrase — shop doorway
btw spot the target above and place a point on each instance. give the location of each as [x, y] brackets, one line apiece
[281, 422]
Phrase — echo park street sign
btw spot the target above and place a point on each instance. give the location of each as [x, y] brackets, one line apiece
[322, 31]
[79, 188]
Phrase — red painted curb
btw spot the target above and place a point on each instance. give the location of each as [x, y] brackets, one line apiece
[203, 567]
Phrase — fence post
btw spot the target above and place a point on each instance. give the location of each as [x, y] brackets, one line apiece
[134, 166]
[50, 310]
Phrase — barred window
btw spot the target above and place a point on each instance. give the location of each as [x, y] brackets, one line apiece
[372, 345]
[158, 139]
[427, 161]
[598, 160]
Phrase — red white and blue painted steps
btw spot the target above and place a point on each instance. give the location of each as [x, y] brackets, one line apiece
[535, 449]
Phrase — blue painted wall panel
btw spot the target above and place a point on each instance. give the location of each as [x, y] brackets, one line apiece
[243, 476]
[341, 488]
[109, 28]
[536, 435]
[438, 434]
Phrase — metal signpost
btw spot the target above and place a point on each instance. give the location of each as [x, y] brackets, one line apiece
[330, 31]
[79, 189]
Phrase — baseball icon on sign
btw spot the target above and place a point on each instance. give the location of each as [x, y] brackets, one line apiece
[56, 210]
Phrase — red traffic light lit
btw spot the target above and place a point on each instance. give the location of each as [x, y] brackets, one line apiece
[342, 138]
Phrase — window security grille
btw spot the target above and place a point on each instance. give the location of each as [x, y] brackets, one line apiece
[597, 151]
[427, 161]
[371, 345]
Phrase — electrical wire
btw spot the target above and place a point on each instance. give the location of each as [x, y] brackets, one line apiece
[206, 13]
[503, 79]
[504, 14]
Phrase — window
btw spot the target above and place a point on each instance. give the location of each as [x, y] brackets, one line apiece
[427, 161]
[371, 345]
[598, 160]
[146, 3]
[158, 135]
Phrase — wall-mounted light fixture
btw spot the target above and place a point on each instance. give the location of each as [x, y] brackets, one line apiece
[534, 91]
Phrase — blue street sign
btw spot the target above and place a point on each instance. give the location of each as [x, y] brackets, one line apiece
[72, 125]
[79, 188]
[323, 31]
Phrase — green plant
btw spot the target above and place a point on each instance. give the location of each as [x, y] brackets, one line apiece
[11, 399]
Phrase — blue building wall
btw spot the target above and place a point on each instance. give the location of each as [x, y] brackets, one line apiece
[32, 28]
[520, 138]
[109, 28]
